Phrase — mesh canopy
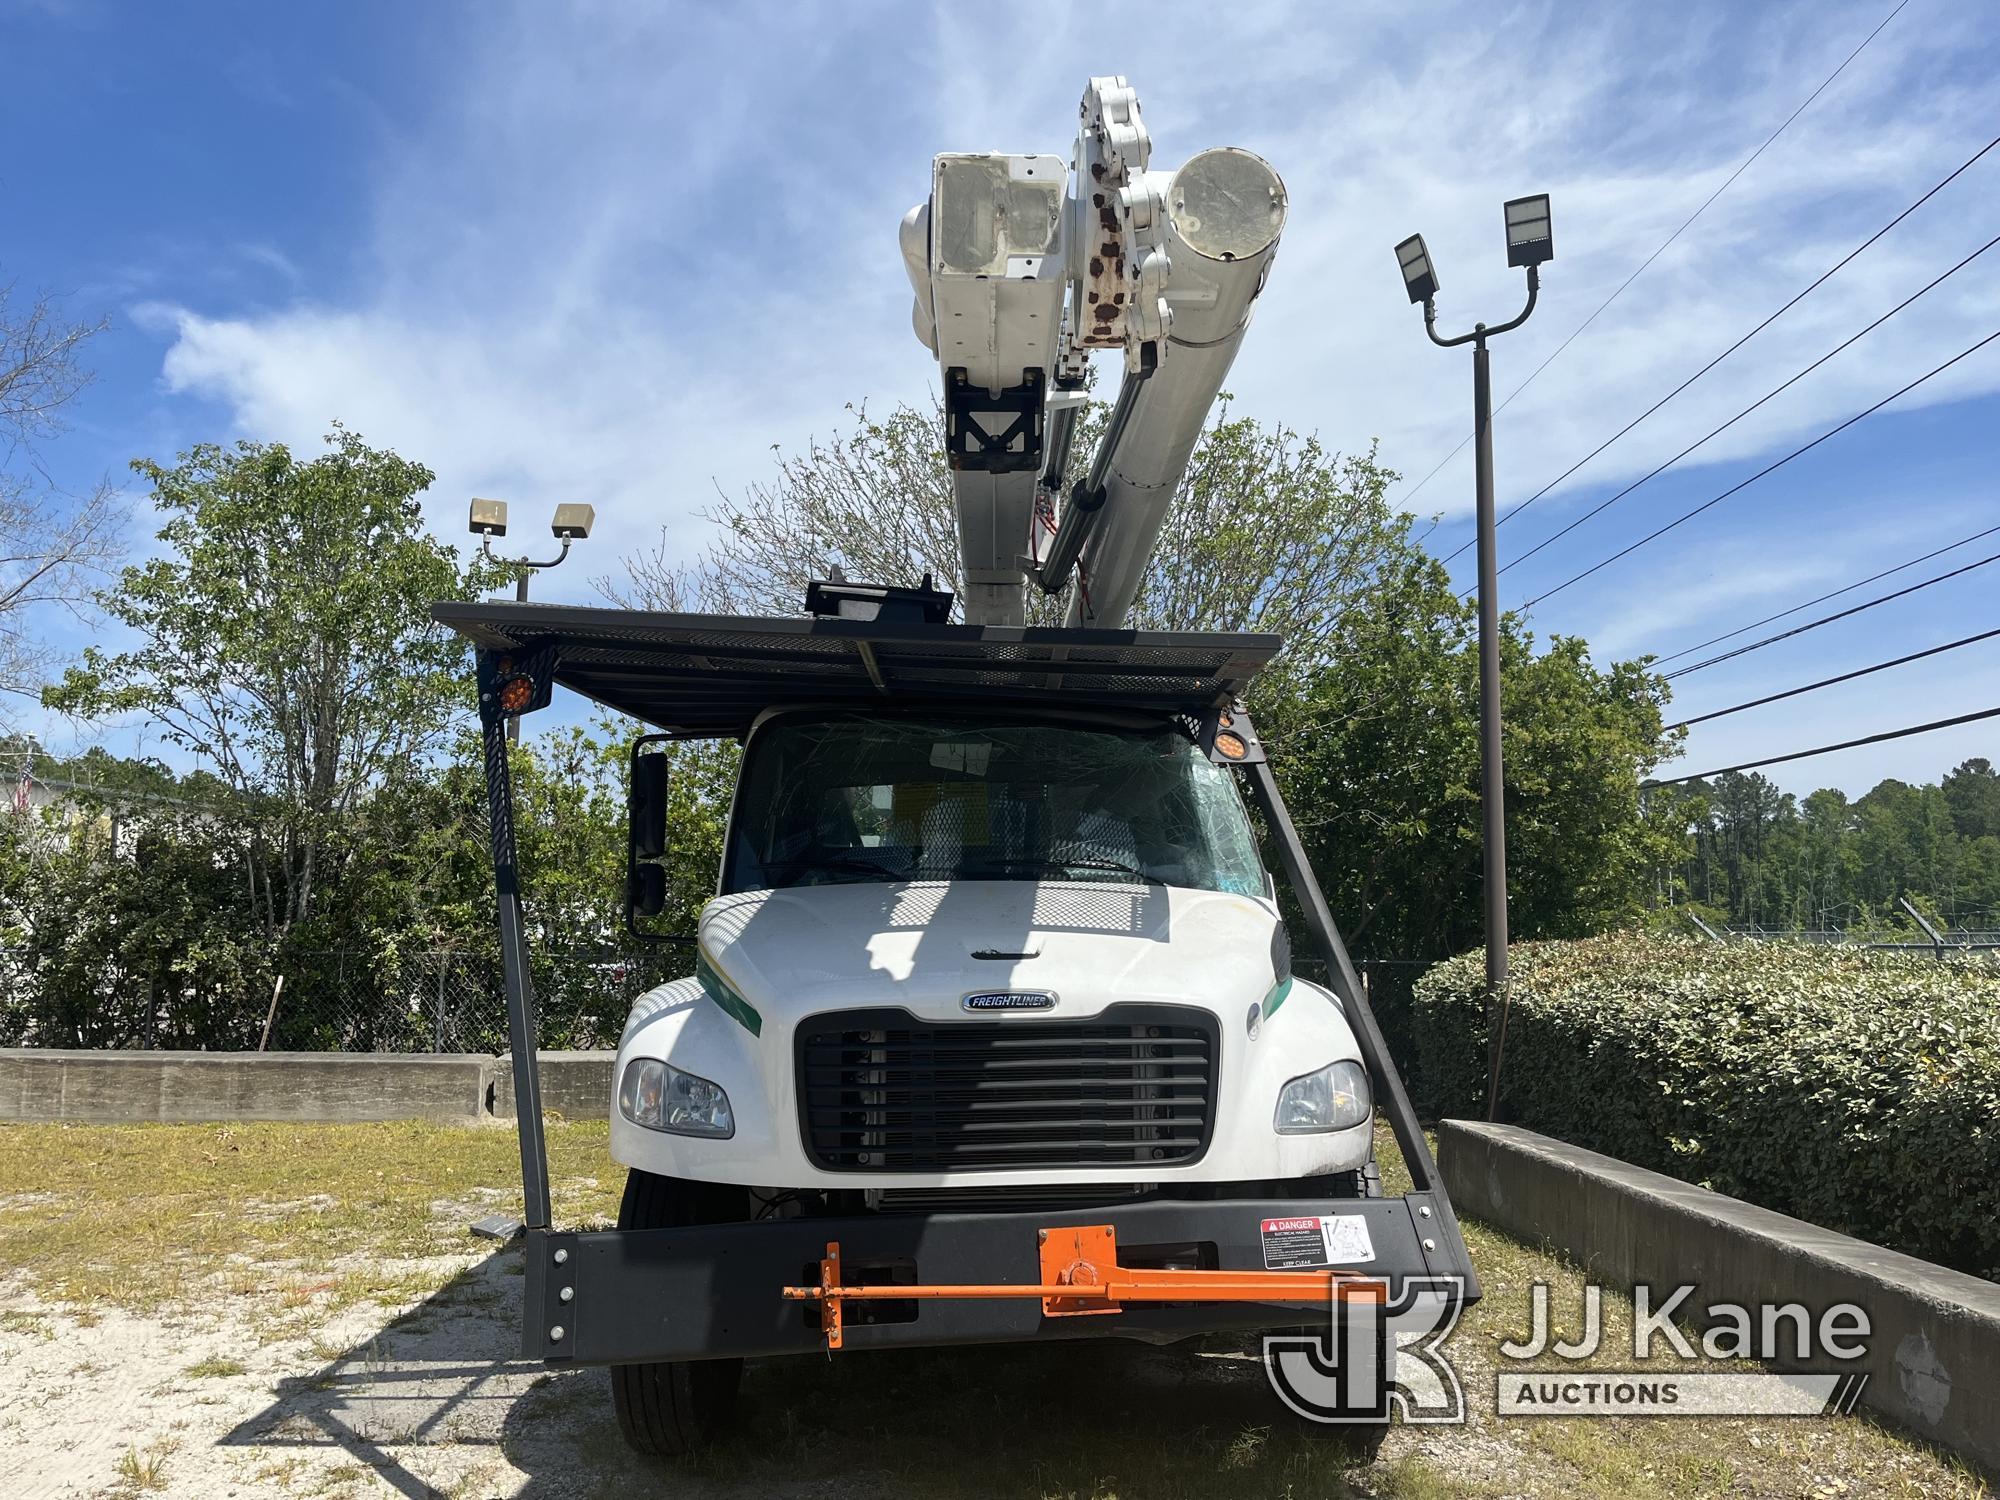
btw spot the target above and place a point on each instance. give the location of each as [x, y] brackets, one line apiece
[713, 674]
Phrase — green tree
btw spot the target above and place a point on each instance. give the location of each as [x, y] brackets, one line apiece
[1268, 531]
[1972, 792]
[1760, 856]
[125, 918]
[1378, 750]
[285, 639]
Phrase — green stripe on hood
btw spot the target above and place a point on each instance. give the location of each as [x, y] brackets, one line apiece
[724, 994]
[1277, 997]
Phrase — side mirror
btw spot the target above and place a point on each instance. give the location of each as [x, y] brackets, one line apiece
[647, 804]
[648, 890]
[646, 839]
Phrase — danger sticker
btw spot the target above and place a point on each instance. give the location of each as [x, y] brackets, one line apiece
[1316, 1240]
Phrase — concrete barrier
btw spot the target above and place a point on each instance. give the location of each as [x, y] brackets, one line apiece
[107, 1087]
[102, 1088]
[575, 1085]
[1933, 1358]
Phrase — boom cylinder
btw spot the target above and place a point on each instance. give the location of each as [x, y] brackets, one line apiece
[1225, 211]
[1086, 501]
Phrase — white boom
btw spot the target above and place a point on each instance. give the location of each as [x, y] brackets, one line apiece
[1023, 265]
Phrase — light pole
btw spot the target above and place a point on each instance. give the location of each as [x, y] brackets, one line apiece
[1530, 244]
[488, 519]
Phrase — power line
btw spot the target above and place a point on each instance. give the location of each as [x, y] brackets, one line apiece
[1660, 661]
[1786, 635]
[1767, 469]
[1824, 277]
[1606, 504]
[1867, 739]
[1880, 666]
[1768, 141]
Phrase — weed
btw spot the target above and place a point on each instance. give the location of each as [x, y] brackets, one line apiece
[139, 1472]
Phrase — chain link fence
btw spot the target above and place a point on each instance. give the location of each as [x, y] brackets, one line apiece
[423, 1000]
[1948, 939]
[454, 1001]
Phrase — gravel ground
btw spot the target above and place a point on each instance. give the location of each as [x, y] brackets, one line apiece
[357, 1342]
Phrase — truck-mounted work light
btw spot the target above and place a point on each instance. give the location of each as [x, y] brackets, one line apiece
[1530, 241]
[1418, 277]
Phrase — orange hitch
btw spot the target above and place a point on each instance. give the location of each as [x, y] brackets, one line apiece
[1081, 1276]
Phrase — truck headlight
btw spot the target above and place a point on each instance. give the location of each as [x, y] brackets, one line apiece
[1334, 1098]
[660, 1096]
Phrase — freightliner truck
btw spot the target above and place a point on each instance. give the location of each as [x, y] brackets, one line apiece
[994, 1032]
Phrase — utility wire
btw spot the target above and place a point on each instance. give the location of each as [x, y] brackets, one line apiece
[1786, 635]
[1743, 484]
[1768, 141]
[1880, 666]
[1660, 661]
[1606, 504]
[1824, 277]
[1868, 739]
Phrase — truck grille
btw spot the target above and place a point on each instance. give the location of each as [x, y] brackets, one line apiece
[881, 1091]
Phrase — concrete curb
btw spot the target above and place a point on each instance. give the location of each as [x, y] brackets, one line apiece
[109, 1088]
[1934, 1348]
[575, 1085]
[186, 1087]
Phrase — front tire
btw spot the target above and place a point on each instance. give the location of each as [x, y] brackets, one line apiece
[671, 1407]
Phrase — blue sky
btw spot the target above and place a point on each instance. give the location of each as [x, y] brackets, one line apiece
[615, 253]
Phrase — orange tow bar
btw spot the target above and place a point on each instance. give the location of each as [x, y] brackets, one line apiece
[1081, 1276]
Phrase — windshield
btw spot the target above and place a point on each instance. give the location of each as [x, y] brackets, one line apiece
[854, 798]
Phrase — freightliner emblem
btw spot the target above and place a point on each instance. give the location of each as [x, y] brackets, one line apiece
[1009, 1000]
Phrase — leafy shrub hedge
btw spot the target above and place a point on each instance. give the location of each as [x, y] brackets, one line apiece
[1856, 1090]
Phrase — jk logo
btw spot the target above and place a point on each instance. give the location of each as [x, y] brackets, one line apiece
[1376, 1355]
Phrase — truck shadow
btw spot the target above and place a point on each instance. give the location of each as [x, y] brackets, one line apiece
[436, 1402]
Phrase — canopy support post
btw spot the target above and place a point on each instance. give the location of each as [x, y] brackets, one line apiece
[521, 1030]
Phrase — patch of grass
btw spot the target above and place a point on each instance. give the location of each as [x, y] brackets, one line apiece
[138, 1473]
[271, 1206]
[216, 1368]
[276, 1477]
[1415, 1478]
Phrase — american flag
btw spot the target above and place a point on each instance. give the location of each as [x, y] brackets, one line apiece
[23, 787]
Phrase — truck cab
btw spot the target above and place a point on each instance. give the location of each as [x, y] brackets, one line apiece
[1002, 954]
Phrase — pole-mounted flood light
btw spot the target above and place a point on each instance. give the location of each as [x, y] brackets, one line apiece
[1419, 279]
[488, 518]
[1530, 241]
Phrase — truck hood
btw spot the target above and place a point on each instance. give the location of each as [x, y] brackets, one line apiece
[925, 945]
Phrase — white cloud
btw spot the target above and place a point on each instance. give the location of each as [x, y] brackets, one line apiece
[626, 247]
[622, 252]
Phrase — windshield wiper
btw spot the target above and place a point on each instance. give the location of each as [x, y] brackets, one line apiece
[806, 865]
[1062, 864]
